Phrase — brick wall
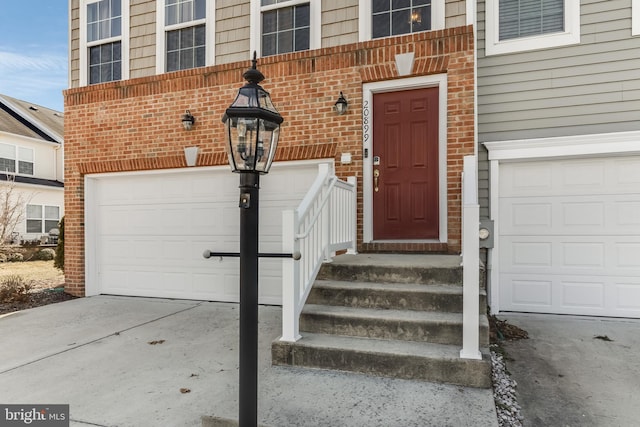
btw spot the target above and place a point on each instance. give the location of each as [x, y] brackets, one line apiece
[135, 124]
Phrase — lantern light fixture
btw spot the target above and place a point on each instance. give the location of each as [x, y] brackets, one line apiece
[188, 120]
[252, 126]
[341, 105]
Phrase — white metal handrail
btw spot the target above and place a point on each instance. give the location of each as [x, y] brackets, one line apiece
[324, 222]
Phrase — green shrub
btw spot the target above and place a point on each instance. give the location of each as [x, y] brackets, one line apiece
[15, 257]
[14, 288]
[46, 254]
[59, 259]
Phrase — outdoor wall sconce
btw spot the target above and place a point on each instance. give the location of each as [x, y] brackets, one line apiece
[191, 155]
[341, 105]
[188, 120]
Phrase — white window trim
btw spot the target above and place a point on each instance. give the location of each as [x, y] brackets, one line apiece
[574, 146]
[493, 46]
[368, 90]
[315, 21]
[635, 17]
[84, 46]
[210, 34]
[364, 24]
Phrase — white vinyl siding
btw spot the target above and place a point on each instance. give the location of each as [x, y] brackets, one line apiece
[521, 25]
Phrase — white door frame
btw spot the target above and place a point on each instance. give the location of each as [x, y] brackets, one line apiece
[569, 147]
[368, 90]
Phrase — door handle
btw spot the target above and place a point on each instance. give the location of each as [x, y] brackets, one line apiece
[376, 176]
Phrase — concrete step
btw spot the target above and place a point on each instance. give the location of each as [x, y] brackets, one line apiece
[405, 325]
[396, 359]
[406, 296]
[394, 268]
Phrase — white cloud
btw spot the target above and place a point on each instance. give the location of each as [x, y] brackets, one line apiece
[35, 77]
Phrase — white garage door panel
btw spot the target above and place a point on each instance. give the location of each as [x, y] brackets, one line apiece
[151, 229]
[570, 236]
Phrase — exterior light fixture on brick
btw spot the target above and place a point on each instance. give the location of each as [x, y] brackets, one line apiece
[188, 120]
[341, 105]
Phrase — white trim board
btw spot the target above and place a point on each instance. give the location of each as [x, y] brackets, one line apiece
[368, 90]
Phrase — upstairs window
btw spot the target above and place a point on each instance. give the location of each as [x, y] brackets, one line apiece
[104, 33]
[185, 35]
[103, 40]
[386, 18]
[395, 17]
[16, 160]
[285, 26]
[286, 29]
[522, 25]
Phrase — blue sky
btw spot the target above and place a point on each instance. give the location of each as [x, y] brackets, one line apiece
[33, 51]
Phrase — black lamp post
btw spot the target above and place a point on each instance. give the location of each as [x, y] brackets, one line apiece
[252, 126]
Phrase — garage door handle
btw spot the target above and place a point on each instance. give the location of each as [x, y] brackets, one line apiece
[208, 254]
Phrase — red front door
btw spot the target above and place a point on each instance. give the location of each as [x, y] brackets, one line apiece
[405, 165]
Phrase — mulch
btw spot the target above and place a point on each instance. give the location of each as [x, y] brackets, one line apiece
[37, 299]
[501, 330]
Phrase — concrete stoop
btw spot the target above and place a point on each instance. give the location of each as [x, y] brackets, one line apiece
[389, 315]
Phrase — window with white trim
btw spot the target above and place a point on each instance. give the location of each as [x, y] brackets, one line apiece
[42, 218]
[285, 26]
[185, 34]
[396, 17]
[103, 41]
[385, 18]
[522, 25]
[104, 32]
[16, 160]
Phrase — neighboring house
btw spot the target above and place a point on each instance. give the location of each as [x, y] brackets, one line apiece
[558, 107]
[31, 166]
[138, 219]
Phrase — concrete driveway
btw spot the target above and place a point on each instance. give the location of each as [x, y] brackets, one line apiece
[98, 355]
[570, 374]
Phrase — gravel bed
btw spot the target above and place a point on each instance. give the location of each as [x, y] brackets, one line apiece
[504, 392]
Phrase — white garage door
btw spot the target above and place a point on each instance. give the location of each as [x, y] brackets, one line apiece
[569, 236]
[146, 232]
